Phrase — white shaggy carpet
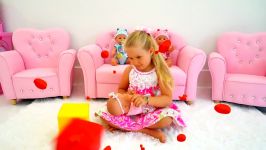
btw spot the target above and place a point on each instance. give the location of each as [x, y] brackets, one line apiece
[35, 127]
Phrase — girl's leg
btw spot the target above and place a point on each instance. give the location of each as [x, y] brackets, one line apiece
[165, 122]
[154, 133]
[154, 130]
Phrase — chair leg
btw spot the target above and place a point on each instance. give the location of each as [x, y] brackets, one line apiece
[65, 97]
[189, 102]
[216, 101]
[13, 101]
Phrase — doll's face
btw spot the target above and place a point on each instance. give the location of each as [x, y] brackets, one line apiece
[120, 38]
[160, 39]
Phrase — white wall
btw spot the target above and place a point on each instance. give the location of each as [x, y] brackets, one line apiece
[198, 21]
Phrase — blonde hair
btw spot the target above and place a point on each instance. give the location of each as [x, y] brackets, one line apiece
[146, 41]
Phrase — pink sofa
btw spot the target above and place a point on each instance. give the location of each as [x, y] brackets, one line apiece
[100, 77]
[238, 69]
[5, 43]
[41, 55]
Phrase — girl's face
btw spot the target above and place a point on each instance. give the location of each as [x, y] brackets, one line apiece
[140, 58]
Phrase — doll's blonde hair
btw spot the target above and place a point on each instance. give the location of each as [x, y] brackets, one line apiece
[146, 41]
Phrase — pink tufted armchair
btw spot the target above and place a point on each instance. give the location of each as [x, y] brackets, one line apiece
[238, 69]
[100, 77]
[42, 55]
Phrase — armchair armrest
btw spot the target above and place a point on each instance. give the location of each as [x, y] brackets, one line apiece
[65, 69]
[217, 67]
[191, 60]
[10, 63]
[90, 59]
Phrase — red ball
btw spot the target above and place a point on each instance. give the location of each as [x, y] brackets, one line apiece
[222, 108]
[107, 148]
[164, 47]
[181, 137]
[105, 54]
[141, 147]
[88, 98]
[114, 72]
[40, 83]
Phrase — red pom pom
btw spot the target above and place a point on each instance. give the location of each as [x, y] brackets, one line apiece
[40, 83]
[105, 54]
[88, 98]
[222, 108]
[183, 97]
[107, 148]
[141, 147]
[164, 47]
[114, 72]
[181, 137]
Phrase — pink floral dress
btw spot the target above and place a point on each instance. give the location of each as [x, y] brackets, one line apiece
[144, 83]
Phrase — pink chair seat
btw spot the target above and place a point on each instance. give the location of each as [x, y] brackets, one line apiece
[24, 83]
[179, 76]
[109, 74]
[240, 89]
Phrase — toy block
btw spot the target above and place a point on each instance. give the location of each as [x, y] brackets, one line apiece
[80, 135]
[68, 111]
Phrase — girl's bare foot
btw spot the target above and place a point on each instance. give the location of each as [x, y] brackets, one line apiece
[154, 133]
[110, 128]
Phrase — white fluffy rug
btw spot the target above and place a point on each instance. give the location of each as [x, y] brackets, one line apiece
[35, 127]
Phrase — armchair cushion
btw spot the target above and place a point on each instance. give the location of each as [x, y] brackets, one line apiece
[109, 74]
[245, 89]
[24, 83]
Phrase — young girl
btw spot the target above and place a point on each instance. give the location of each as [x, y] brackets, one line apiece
[147, 74]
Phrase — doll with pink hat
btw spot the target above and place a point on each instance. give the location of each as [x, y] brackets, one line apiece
[165, 47]
[119, 55]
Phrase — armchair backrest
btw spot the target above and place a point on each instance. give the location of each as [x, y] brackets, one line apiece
[40, 48]
[106, 42]
[244, 53]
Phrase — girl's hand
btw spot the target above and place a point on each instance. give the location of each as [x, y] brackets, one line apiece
[138, 100]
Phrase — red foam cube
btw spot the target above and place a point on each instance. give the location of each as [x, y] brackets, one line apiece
[80, 135]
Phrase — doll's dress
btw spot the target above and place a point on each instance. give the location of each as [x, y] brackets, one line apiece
[121, 55]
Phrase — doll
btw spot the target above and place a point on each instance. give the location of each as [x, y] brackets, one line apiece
[119, 55]
[165, 47]
[119, 104]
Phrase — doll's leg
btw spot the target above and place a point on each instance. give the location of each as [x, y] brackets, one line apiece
[114, 62]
